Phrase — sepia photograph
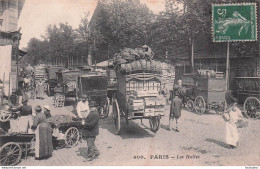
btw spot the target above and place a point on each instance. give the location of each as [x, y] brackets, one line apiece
[129, 83]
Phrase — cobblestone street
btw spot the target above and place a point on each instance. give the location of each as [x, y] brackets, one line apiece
[201, 141]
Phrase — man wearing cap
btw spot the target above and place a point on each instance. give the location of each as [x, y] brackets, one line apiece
[83, 107]
[47, 111]
[175, 111]
[90, 131]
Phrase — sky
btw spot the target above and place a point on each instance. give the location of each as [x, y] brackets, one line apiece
[38, 14]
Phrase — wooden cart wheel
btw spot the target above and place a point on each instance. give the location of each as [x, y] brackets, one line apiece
[72, 137]
[189, 105]
[116, 116]
[252, 107]
[199, 105]
[221, 108]
[10, 154]
[154, 124]
[5, 116]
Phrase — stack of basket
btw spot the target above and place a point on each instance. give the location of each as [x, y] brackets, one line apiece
[59, 100]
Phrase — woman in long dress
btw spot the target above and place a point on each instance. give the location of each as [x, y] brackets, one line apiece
[43, 142]
[232, 135]
[39, 89]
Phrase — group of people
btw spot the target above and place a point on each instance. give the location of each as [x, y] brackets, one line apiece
[28, 83]
[231, 116]
[37, 123]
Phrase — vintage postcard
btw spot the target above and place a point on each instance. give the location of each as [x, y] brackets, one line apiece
[129, 83]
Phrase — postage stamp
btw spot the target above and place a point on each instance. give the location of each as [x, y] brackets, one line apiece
[234, 22]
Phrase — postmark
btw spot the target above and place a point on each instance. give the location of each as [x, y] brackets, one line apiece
[234, 22]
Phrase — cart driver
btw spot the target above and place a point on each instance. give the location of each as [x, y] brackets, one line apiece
[83, 107]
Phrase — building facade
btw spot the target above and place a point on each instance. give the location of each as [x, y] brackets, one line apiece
[10, 37]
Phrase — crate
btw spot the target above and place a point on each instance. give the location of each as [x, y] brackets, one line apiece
[148, 114]
[159, 113]
[133, 101]
[140, 107]
[149, 103]
[149, 110]
[136, 113]
[160, 103]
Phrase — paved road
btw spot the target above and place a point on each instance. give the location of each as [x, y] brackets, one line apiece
[201, 141]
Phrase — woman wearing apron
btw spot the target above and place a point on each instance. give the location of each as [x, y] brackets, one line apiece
[43, 142]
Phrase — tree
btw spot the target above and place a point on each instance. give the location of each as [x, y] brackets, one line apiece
[118, 24]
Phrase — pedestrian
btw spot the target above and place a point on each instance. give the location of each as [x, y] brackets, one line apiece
[47, 111]
[40, 89]
[179, 83]
[175, 111]
[25, 115]
[27, 81]
[232, 117]
[43, 135]
[83, 107]
[90, 132]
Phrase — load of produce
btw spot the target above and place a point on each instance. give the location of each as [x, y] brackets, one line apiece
[129, 60]
[58, 120]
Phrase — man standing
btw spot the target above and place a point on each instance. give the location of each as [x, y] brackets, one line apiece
[83, 107]
[175, 111]
[90, 131]
[27, 81]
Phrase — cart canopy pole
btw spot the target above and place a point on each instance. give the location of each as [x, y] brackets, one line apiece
[227, 68]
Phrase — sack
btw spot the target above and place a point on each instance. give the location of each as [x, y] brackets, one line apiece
[241, 124]
[226, 117]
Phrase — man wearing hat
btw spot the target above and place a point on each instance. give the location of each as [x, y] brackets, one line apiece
[83, 107]
[175, 111]
[47, 111]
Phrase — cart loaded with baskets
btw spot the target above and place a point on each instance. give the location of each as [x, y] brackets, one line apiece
[138, 91]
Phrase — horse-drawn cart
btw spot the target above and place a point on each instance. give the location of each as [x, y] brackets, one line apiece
[138, 93]
[94, 85]
[210, 94]
[203, 93]
[247, 91]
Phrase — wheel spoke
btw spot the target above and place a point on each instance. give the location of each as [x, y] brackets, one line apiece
[3, 158]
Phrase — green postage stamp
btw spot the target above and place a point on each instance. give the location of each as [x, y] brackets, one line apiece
[234, 22]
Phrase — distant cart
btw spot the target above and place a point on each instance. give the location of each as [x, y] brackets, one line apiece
[94, 85]
[247, 91]
[52, 79]
[210, 94]
[138, 94]
[68, 78]
[203, 94]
